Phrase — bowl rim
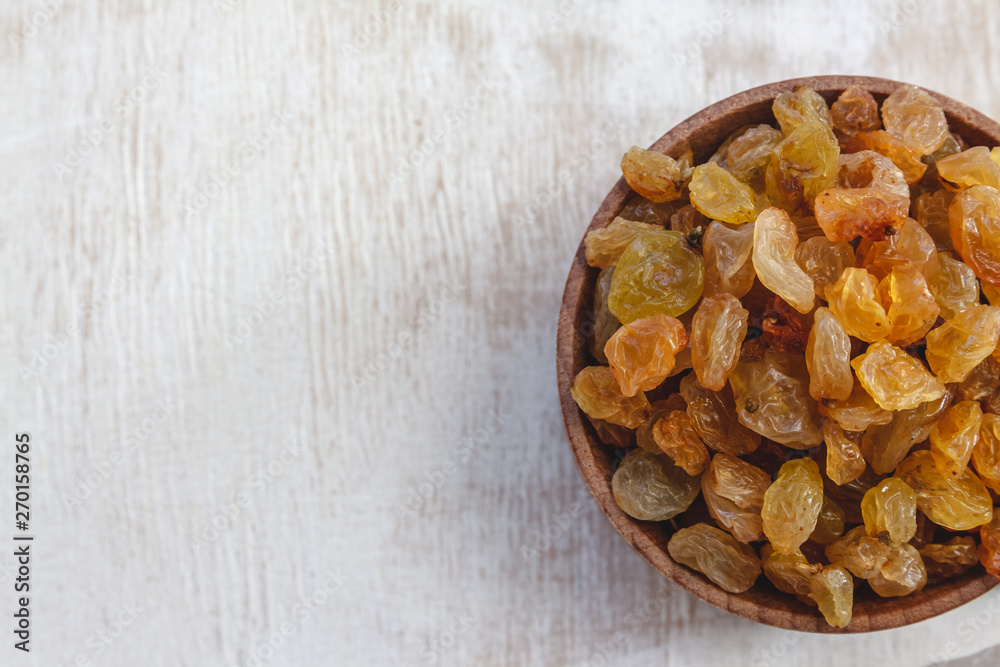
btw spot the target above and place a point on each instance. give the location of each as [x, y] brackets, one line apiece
[571, 354]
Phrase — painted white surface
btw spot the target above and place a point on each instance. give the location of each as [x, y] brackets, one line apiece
[106, 258]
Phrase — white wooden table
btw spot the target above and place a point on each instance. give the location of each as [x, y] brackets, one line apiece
[280, 284]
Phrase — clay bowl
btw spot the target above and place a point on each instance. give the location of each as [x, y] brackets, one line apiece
[702, 133]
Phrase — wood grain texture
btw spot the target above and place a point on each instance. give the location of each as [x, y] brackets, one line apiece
[292, 351]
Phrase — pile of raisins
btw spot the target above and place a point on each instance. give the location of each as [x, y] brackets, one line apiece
[800, 329]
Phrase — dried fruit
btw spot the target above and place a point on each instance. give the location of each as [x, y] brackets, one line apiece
[958, 345]
[687, 219]
[932, 214]
[650, 487]
[605, 246]
[894, 379]
[774, 241]
[657, 274]
[833, 590]
[981, 382]
[678, 440]
[795, 107]
[910, 306]
[658, 410]
[954, 286]
[784, 328]
[718, 329]
[954, 436]
[868, 169]
[598, 394]
[989, 548]
[844, 462]
[641, 209]
[885, 446]
[772, 398]
[915, 117]
[911, 247]
[854, 111]
[655, 176]
[613, 434]
[713, 416]
[986, 452]
[968, 168]
[950, 559]
[728, 267]
[828, 358]
[857, 413]
[719, 195]
[731, 565]
[641, 354]
[855, 302]
[893, 148]
[902, 573]
[957, 503]
[750, 154]
[789, 572]
[605, 324]
[860, 553]
[846, 214]
[802, 165]
[889, 510]
[830, 524]
[823, 261]
[792, 505]
[974, 215]
[734, 492]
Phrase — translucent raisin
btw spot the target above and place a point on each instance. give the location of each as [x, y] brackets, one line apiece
[989, 547]
[598, 394]
[678, 440]
[884, 446]
[605, 323]
[844, 462]
[986, 452]
[774, 242]
[889, 510]
[855, 302]
[860, 553]
[954, 286]
[730, 564]
[642, 353]
[957, 503]
[830, 524]
[968, 168]
[655, 176]
[721, 196]
[651, 488]
[728, 266]
[854, 111]
[734, 492]
[902, 573]
[974, 216]
[792, 505]
[828, 358]
[893, 148]
[802, 165]
[915, 117]
[605, 246]
[833, 590]
[789, 572]
[824, 261]
[961, 343]
[713, 416]
[657, 274]
[793, 108]
[954, 436]
[894, 379]
[717, 331]
[950, 559]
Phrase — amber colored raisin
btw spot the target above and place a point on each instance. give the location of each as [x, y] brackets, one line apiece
[957, 503]
[730, 564]
[854, 111]
[650, 487]
[678, 440]
[894, 379]
[713, 416]
[717, 331]
[598, 394]
[961, 343]
[641, 354]
[657, 274]
[833, 590]
[605, 246]
[893, 148]
[902, 573]
[889, 510]
[774, 242]
[719, 195]
[655, 176]
[792, 505]
[954, 436]
[734, 492]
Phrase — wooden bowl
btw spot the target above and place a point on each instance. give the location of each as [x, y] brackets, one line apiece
[702, 133]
